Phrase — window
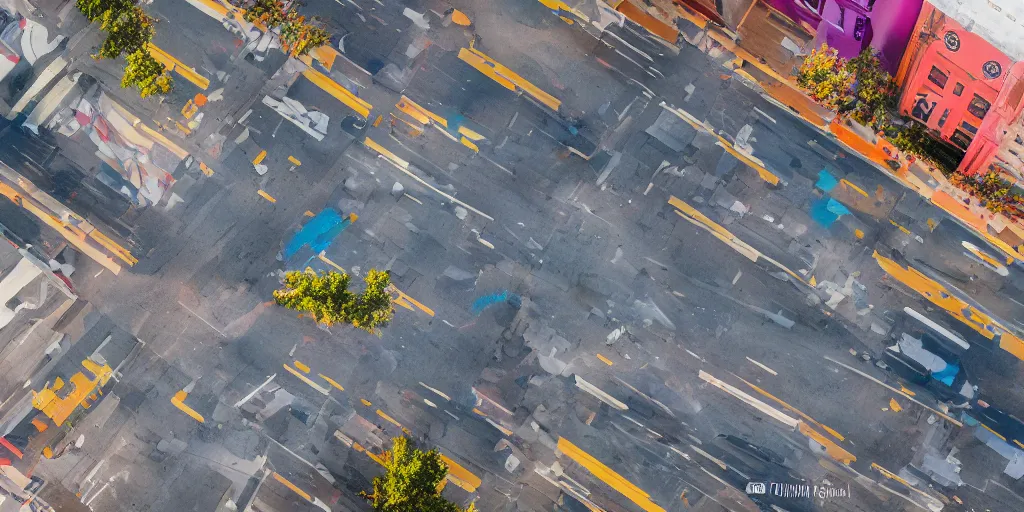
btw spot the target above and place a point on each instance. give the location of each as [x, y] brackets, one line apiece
[942, 120]
[979, 107]
[969, 127]
[1019, 140]
[859, 28]
[842, 18]
[958, 89]
[937, 77]
[813, 5]
[922, 108]
[961, 139]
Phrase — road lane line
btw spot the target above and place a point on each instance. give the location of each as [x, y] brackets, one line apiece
[894, 390]
[762, 366]
[403, 166]
[253, 392]
[303, 378]
[201, 318]
[179, 401]
[331, 382]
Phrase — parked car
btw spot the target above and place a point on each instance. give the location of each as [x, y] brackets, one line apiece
[1004, 424]
[927, 362]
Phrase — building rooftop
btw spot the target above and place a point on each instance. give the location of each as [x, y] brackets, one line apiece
[1000, 22]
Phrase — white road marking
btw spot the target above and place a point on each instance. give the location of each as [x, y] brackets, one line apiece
[201, 318]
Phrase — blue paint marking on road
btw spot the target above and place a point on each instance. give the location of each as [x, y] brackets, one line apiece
[821, 214]
[827, 211]
[826, 181]
[837, 208]
[318, 233]
[486, 301]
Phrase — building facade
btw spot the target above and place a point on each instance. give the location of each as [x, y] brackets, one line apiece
[966, 85]
[850, 26]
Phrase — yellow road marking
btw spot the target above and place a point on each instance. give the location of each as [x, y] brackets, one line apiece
[469, 144]
[393, 421]
[340, 93]
[997, 434]
[750, 161]
[294, 161]
[376, 458]
[461, 476]
[326, 260]
[266, 196]
[605, 360]
[608, 476]
[894, 390]
[831, 448]
[302, 366]
[178, 67]
[901, 228]
[65, 230]
[113, 247]
[179, 401]
[206, 169]
[756, 164]
[307, 380]
[506, 77]
[259, 158]
[854, 187]
[406, 299]
[365, 402]
[292, 486]
[419, 113]
[940, 296]
[403, 166]
[331, 382]
[798, 412]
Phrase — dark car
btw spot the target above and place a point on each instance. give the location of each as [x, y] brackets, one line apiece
[927, 362]
[1004, 424]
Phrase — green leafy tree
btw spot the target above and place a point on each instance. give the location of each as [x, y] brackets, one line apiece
[299, 37]
[326, 297]
[95, 9]
[875, 91]
[146, 74]
[269, 13]
[411, 482]
[127, 32]
[826, 78]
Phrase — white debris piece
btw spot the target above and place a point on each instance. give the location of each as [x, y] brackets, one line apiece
[312, 122]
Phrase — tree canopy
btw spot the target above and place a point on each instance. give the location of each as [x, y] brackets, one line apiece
[146, 74]
[299, 36]
[95, 9]
[127, 31]
[411, 482]
[326, 297]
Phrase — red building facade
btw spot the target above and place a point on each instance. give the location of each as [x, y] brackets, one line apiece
[952, 79]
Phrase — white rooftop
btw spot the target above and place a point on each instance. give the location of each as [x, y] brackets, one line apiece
[1000, 22]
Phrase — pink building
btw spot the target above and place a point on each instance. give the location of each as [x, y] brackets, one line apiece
[962, 85]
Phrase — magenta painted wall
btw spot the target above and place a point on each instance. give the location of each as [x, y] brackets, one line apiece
[852, 25]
